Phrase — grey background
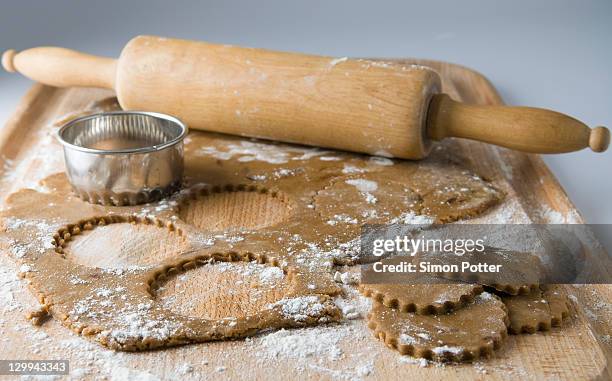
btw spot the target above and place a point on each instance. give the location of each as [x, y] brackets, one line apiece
[552, 54]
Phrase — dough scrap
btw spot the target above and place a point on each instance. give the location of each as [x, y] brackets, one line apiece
[537, 311]
[466, 334]
[116, 306]
[375, 200]
[111, 301]
[423, 299]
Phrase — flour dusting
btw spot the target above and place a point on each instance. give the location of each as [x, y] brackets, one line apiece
[410, 218]
[247, 151]
[301, 343]
[300, 308]
[363, 185]
[336, 61]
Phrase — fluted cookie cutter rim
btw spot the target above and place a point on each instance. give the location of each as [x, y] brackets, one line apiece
[146, 172]
[152, 148]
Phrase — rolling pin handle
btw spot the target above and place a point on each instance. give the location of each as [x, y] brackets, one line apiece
[524, 129]
[61, 67]
[599, 140]
[8, 58]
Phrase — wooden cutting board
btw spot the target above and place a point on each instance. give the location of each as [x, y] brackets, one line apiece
[580, 350]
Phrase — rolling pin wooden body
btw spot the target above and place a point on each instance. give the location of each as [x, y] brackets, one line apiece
[350, 104]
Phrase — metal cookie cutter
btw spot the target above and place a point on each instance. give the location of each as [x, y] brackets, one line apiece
[124, 157]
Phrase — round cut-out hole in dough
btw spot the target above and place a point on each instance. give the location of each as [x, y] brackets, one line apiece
[124, 245]
[235, 209]
[221, 290]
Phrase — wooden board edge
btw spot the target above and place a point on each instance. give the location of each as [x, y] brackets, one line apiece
[19, 124]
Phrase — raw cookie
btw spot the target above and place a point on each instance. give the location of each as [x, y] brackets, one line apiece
[466, 334]
[423, 299]
[450, 195]
[537, 311]
[520, 272]
[558, 304]
[513, 289]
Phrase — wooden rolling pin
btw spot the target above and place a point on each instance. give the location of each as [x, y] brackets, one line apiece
[357, 105]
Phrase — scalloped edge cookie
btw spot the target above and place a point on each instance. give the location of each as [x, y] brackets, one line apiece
[537, 311]
[435, 297]
[431, 336]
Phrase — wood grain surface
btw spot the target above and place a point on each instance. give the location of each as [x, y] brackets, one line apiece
[581, 350]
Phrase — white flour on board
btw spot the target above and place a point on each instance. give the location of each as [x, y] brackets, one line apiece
[410, 218]
[45, 158]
